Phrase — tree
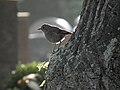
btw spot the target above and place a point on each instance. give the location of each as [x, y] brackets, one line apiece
[91, 58]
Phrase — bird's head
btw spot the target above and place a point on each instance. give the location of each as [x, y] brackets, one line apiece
[44, 27]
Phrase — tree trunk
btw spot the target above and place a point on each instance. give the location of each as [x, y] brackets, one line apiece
[91, 59]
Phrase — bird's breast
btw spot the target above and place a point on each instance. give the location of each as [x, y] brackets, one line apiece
[54, 38]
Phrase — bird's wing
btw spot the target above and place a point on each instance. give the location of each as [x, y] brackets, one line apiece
[65, 32]
[60, 31]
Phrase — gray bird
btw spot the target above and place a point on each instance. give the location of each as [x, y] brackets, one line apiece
[53, 34]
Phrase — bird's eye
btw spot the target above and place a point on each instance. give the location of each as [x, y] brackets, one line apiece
[43, 27]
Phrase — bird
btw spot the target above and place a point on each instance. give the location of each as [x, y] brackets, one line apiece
[54, 34]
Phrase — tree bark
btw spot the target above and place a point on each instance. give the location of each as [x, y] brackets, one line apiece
[91, 58]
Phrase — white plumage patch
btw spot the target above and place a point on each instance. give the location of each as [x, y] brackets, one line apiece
[60, 40]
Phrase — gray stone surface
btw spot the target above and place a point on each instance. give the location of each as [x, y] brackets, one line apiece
[8, 39]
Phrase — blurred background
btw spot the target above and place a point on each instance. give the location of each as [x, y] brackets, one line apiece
[62, 13]
[19, 38]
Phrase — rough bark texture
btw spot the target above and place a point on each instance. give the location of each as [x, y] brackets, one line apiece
[91, 59]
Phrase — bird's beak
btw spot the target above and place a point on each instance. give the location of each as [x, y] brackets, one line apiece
[39, 28]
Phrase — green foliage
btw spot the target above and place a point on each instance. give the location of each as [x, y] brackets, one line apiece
[21, 74]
